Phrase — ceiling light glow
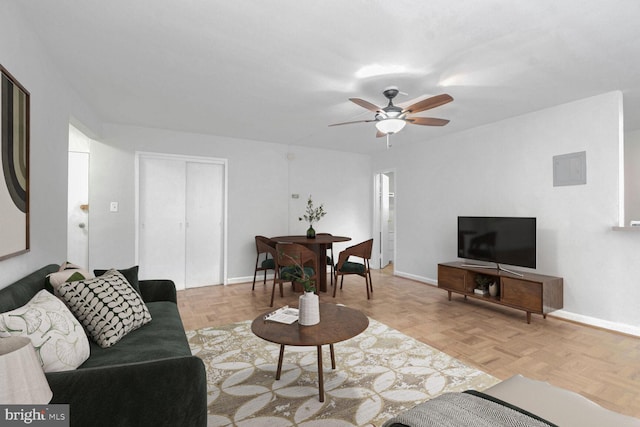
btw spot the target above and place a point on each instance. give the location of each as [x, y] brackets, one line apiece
[376, 69]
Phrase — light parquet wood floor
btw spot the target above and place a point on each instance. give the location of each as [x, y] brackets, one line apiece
[601, 365]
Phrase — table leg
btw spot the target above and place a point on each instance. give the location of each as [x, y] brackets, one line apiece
[322, 267]
[320, 374]
[333, 357]
[279, 371]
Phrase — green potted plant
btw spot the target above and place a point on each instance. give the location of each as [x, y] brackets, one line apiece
[298, 275]
[312, 215]
[483, 282]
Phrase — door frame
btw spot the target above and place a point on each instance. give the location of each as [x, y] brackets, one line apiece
[74, 176]
[187, 158]
[378, 244]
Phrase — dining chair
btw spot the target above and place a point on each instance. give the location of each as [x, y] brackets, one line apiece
[344, 266]
[330, 260]
[265, 246]
[289, 256]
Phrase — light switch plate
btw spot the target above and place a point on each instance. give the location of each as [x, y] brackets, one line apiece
[113, 207]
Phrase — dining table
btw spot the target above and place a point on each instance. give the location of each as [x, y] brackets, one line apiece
[319, 245]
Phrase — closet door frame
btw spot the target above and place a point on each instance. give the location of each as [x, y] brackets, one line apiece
[186, 158]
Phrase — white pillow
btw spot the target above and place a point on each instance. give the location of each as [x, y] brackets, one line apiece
[60, 341]
[107, 306]
[64, 274]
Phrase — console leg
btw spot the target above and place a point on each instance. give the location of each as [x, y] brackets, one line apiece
[528, 317]
[449, 292]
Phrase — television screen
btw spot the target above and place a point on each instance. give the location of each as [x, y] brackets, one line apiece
[503, 240]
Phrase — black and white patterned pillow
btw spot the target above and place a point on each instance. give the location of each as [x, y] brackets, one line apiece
[107, 306]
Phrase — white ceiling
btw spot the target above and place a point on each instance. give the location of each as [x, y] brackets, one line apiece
[283, 70]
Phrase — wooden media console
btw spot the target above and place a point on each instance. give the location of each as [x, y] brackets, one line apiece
[532, 293]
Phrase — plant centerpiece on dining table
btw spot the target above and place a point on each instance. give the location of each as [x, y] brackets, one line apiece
[308, 302]
[312, 215]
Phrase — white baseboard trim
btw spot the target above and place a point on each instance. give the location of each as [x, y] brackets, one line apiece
[236, 280]
[598, 323]
[416, 278]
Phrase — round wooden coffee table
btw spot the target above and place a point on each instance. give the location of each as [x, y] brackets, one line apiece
[337, 323]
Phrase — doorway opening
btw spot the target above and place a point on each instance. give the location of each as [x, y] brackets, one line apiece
[78, 198]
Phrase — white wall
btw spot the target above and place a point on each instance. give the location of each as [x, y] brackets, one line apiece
[342, 182]
[262, 177]
[632, 176]
[53, 104]
[505, 169]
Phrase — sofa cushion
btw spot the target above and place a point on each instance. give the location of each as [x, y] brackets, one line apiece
[107, 306]
[557, 405]
[57, 336]
[160, 339]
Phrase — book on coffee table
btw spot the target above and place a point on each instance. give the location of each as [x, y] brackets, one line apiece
[284, 314]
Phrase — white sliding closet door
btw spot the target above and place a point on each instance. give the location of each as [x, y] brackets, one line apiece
[204, 204]
[161, 252]
[181, 220]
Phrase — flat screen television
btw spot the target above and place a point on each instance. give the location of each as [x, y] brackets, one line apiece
[503, 240]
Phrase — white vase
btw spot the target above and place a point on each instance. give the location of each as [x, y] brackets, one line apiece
[493, 289]
[309, 309]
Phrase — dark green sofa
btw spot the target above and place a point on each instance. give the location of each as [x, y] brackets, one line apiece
[149, 378]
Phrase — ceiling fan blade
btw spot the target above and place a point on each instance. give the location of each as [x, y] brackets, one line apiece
[427, 121]
[380, 134]
[426, 104]
[365, 104]
[411, 101]
[348, 123]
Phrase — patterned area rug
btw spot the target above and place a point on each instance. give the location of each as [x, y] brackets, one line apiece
[378, 374]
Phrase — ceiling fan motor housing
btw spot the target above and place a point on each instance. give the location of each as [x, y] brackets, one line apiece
[391, 93]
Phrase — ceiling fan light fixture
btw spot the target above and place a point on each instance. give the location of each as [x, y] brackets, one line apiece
[390, 126]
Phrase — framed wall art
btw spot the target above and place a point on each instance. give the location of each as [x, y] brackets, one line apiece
[14, 179]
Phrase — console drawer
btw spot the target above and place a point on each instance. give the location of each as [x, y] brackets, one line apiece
[523, 294]
[451, 278]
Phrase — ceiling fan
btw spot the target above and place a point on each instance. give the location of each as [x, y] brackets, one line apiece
[391, 119]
